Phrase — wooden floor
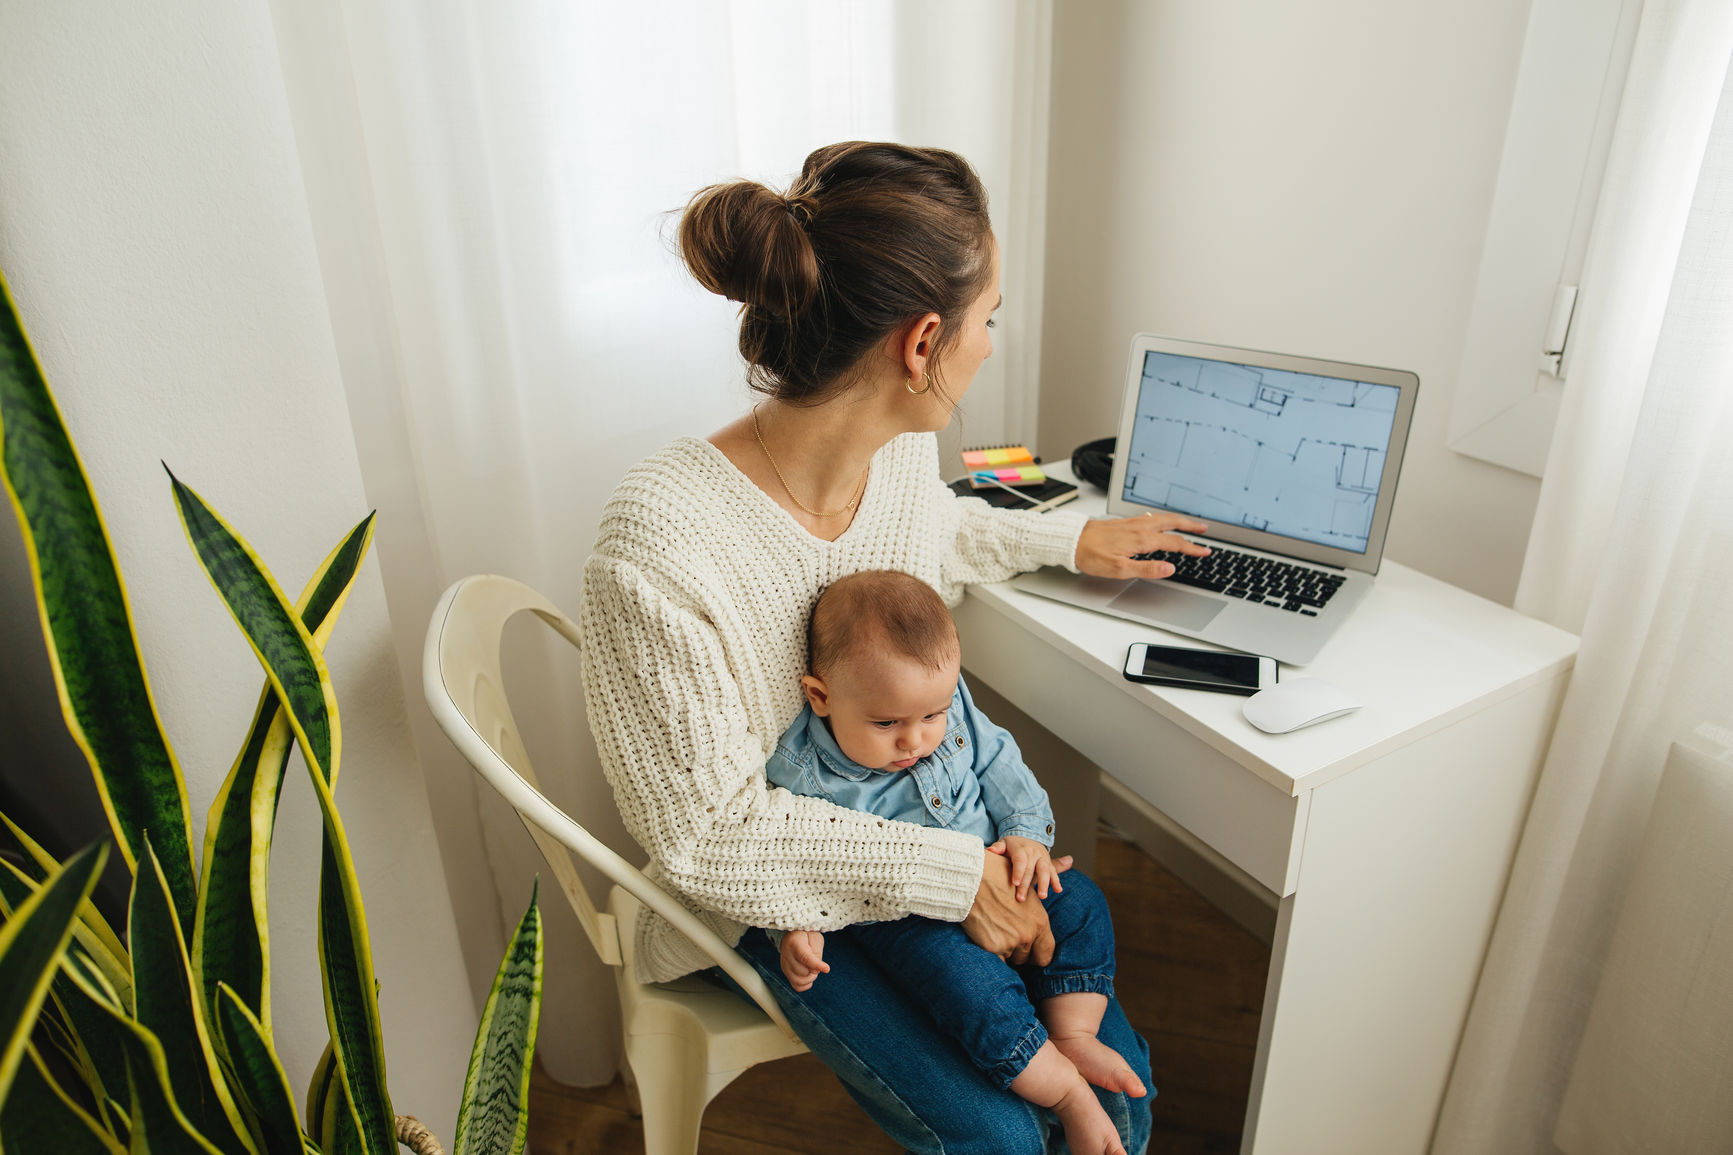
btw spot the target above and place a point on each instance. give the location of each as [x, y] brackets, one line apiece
[1191, 980]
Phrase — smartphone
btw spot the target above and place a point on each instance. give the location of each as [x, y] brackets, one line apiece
[1226, 671]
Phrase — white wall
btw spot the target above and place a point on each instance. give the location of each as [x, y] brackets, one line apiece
[154, 230]
[1308, 178]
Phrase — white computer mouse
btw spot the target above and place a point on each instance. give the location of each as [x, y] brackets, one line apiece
[1289, 705]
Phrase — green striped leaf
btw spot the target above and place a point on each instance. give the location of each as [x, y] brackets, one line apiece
[345, 1139]
[351, 1001]
[493, 1118]
[231, 937]
[297, 672]
[167, 1006]
[258, 1076]
[328, 1115]
[318, 1091]
[273, 629]
[86, 623]
[31, 943]
[103, 1067]
[103, 1049]
[155, 1121]
[40, 1117]
[16, 886]
[39, 864]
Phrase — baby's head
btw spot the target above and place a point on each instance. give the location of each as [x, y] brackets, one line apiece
[883, 659]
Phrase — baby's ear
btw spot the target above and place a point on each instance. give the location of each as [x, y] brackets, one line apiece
[817, 696]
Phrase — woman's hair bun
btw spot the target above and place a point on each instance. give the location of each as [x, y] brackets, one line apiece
[869, 237]
[749, 244]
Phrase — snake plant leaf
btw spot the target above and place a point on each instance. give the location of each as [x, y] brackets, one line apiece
[93, 1027]
[328, 1115]
[37, 861]
[30, 946]
[283, 645]
[86, 1043]
[340, 1125]
[318, 1091]
[297, 672]
[104, 693]
[37, 867]
[231, 936]
[40, 1117]
[16, 886]
[493, 1118]
[351, 1000]
[258, 1076]
[155, 1121]
[51, 1028]
[169, 1008]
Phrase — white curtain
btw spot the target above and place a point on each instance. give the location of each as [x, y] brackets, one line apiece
[1632, 545]
[490, 187]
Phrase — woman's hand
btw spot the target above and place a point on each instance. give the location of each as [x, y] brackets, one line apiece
[1015, 931]
[1107, 546]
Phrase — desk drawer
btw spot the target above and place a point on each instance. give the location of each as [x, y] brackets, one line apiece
[1254, 825]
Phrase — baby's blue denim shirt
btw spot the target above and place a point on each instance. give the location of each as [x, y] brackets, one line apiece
[975, 782]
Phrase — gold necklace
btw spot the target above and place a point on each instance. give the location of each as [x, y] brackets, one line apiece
[859, 489]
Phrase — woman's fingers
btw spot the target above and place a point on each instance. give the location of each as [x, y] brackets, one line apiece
[1015, 931]
[1107, 548]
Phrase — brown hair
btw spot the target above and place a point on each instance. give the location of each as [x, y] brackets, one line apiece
[868, 238]
[879, 607]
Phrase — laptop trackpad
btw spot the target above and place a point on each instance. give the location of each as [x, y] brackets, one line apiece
[1161, 602]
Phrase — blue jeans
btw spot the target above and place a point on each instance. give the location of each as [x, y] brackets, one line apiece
[979, 999]
[914, 1078]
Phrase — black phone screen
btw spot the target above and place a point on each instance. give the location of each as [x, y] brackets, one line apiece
[1201, 667]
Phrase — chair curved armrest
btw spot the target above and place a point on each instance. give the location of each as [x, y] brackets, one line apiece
[537, 809]
[491, 600]
[534, 807]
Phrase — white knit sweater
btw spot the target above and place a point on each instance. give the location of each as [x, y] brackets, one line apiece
[694, 623]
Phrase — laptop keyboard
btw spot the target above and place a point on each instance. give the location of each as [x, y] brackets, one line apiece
[1253, 577]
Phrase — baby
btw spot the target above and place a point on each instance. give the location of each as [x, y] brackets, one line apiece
[889, 728]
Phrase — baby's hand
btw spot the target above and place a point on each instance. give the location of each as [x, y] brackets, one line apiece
[803, 958]
[1029, 864]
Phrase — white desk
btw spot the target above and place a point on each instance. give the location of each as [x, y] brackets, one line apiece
[1387, 834]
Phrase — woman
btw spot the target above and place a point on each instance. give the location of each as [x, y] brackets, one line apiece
[868, 291]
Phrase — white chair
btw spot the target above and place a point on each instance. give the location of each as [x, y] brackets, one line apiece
[684, 1041]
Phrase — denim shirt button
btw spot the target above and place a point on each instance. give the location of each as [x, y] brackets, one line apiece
[938, 804]
[959, 741]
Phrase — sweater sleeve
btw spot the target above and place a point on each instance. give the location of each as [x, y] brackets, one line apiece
[688, 777]
[990, 545]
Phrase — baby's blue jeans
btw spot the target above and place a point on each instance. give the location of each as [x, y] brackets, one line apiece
[926, 1030]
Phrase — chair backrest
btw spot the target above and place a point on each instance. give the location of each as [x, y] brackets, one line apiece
[461, 678]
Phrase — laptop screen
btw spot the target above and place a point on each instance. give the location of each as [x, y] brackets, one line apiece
[1271, 450]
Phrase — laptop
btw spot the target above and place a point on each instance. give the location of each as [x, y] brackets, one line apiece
[1293, 463]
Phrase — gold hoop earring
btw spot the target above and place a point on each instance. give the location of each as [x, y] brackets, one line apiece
[910, 384]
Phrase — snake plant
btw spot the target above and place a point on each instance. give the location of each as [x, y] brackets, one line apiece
[159, 1040]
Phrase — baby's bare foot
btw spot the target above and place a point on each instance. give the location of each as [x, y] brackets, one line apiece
[1088, 1130]
[1100, 1064]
